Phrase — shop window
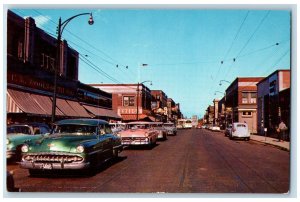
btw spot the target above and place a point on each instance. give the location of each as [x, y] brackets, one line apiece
[128, 101]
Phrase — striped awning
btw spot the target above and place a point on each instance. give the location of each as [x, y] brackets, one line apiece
[45, 102]
[22, 102]
[102, 112]
[132, 117]
[78, 109]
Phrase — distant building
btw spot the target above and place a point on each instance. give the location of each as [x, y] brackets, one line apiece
[127, 104]
[159, 105]
[241, 100]
[274, 98]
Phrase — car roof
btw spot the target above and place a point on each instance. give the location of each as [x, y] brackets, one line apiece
[92, 122]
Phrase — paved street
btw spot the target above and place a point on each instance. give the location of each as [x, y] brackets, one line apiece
[194, 161]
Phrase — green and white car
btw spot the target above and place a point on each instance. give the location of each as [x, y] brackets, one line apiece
[74, 144]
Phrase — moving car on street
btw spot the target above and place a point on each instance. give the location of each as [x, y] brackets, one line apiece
[170, 127]
[74, 144]
[239, 130]
[138, 133]
[18, 134]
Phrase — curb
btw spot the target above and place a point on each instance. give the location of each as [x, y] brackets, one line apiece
[277, 146]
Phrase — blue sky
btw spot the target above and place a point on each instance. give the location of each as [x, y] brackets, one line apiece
[183, 48]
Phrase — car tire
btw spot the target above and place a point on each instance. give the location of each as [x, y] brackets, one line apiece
[34, 172]
[247, 138]
[115, 153]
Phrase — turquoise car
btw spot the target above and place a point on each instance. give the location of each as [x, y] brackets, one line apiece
[75, 144]
[19, 134]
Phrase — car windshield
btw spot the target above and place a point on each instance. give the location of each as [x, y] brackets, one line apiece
[241, 125]
[18, 129]
[188, 121]
[76, 129]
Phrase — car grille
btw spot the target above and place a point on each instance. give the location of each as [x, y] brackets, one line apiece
[53, 158]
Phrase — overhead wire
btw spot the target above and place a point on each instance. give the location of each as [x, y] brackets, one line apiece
[90, 52]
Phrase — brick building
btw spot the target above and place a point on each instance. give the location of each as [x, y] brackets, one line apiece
[31, 54]
[159, 105]
[274, 97]
[126, 102]
[241, 101]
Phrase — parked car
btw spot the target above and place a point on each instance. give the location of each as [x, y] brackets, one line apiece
[18, 134]
[239, 130]
[138, 133]
[215, 128]
[171, 129]
[75, 144]
[228, 130]
[117, 127]
[161, 131]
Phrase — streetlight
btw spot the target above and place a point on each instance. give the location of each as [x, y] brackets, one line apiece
[223, 81]
[60, 29]
[137, 97]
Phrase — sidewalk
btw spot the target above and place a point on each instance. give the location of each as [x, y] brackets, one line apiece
[272, 141]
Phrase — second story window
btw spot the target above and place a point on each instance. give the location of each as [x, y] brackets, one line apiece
[128, 101]
[249, 97]
[244, 98]
[253, 98]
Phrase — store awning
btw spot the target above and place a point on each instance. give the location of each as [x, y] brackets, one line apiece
[102, 112]
[45, 102]
[23, 102]
[78, 109]
[132, 117]
[64, 106]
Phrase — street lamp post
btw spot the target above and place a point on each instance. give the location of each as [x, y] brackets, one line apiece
[60, 29]
[220, 84]
[137, 98]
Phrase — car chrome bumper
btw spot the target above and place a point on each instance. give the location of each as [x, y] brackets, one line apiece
[54, 166]
[135, 142]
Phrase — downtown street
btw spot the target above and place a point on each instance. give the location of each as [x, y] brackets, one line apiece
[193, 161]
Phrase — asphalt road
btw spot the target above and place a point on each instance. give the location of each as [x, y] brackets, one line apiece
[194, 161]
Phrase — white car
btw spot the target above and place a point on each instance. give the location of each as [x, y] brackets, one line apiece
[215, 128]
[171, 129]
[239, 130]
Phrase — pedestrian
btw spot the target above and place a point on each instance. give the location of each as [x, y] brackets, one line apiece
[281, 129]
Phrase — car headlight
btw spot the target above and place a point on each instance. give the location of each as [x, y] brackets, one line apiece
[25, 148]
[80, 149]
[7, 141]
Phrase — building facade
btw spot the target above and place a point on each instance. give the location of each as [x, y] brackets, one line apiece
[241, 101]
[31, 63]
[273, 94]
[131, 101]
[159, 105]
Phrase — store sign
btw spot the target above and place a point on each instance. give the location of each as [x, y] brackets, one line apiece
[129, 111]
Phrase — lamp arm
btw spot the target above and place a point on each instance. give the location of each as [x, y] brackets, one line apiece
[64, 23]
